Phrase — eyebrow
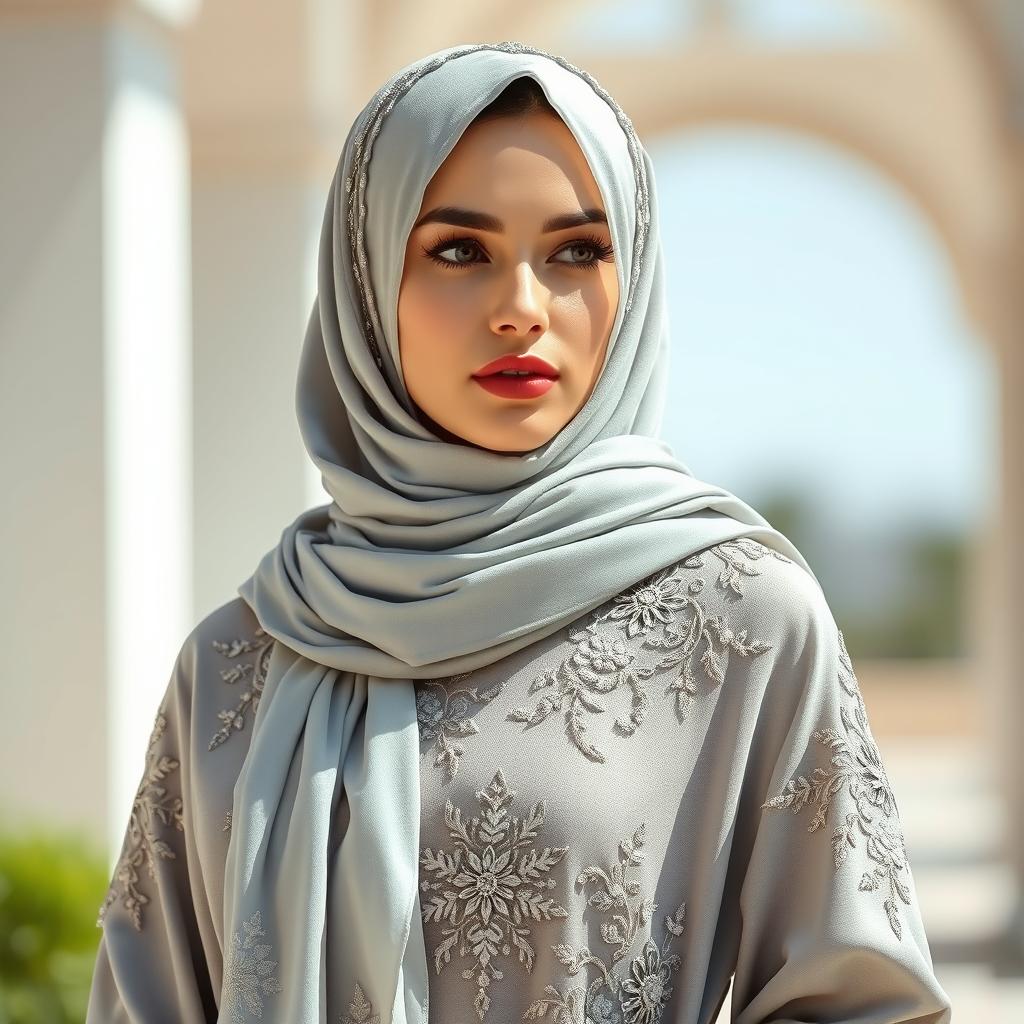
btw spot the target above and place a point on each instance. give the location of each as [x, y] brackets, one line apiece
[485, 222]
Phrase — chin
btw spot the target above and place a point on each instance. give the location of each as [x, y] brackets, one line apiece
[513, 440]
[517, 444]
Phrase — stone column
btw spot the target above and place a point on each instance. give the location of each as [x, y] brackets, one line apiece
[94, 399]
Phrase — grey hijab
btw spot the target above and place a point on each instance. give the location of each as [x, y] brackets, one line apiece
[433, 558]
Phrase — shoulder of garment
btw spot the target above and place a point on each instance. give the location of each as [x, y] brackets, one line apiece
[161, 954]
[737, 586]
[723, 609]
[210, 699]
[664, 643]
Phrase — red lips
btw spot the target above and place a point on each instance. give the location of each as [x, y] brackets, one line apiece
[530, 363]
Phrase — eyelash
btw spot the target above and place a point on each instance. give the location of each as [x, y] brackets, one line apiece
[602, 249]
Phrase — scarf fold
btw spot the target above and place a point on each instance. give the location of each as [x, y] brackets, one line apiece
[432, 558]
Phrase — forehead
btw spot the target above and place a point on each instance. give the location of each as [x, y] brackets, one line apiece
[511, 158]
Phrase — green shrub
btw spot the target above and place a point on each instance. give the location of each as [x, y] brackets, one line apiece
[51, 885]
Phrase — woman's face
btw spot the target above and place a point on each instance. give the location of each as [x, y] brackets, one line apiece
[487, 276]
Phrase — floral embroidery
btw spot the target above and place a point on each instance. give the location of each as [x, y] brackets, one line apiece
[735, 569]
[249, 971]
[234, 718]
[441, 713]
[360, 1010]
[856, 765]
[152, 807]
[490, 886]
[655, 600]
[655, 611]
[640, 993]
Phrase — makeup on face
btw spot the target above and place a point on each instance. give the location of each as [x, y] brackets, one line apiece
[509, 287]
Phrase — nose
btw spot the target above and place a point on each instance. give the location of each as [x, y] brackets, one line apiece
[523, 306]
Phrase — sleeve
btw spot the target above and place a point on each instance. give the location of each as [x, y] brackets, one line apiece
[150, 966]
[830, 927]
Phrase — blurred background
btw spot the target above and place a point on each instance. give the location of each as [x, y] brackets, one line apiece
[842, 208]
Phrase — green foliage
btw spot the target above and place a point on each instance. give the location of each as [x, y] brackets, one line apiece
[924, 618]
[51, 886]
[789, 512]
[928, 622]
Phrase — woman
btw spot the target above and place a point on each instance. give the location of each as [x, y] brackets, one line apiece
[508, 729]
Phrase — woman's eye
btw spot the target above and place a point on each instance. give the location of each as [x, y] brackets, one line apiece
[438, 254]
[455, 253]
[463, 247]
[585, 247]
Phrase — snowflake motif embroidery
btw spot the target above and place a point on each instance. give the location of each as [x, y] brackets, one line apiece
[640, 993]
[855, 765]
[652, 613]
[442, 713]
[360, 1010]
[490, 886]
[249, 971]
[152, 808]
[234, 718]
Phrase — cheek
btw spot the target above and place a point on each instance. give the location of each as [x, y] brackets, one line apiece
[606, 296]
[417, 320]
[428, 324]
[598, 302]
[586, 314]
[429, 308]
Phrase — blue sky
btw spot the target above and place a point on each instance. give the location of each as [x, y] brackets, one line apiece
[818, 333]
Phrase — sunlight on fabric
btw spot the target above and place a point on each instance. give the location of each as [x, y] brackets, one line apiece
[149, 410]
